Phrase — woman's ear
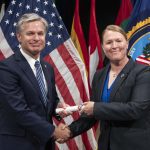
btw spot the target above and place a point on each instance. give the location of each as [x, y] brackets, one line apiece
[103, 48]
[127, 45]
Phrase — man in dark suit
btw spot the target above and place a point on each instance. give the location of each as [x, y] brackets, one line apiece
[25, 112]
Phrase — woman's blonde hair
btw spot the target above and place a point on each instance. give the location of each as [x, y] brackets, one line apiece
[116, 29]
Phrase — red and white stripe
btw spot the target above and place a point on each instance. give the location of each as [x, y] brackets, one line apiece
[5, 50]
[95, 54]
[72, 87]
[141, 59]
[2, 11]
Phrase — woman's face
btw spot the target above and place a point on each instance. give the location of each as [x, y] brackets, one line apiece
[115, 46]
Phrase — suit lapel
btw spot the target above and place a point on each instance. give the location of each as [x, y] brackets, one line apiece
[25, 67]
[121, 78]
[101, 81]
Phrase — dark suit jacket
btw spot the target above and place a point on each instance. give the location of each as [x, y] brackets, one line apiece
[25, 123]
[125, 121]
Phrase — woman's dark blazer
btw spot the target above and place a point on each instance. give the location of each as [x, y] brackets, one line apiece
[125, 120]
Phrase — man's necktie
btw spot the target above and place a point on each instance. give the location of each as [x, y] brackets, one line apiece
[39, 77]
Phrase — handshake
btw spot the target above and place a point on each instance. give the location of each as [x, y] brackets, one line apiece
[62, 133]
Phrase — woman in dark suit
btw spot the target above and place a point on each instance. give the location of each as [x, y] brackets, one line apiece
[120, 98]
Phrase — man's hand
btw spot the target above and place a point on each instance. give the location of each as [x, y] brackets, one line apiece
[63, 140]
[61, 133]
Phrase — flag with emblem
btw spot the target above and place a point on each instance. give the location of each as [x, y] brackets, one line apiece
[70, 73]
[138, 32]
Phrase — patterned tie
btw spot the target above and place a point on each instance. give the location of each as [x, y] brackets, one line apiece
[39, 77]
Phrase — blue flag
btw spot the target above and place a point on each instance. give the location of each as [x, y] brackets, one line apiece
[138, 32]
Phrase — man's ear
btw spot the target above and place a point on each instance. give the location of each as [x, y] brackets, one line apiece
[18, 37]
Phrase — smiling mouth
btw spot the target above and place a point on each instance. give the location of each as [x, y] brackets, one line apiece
[35, 45]
[115, 51]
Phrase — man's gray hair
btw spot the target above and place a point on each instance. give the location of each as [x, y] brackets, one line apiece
[30, 17]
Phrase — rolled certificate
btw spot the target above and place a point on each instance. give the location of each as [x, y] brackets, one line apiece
[69, 109]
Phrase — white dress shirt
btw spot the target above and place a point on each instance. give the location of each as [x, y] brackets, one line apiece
[31, 62]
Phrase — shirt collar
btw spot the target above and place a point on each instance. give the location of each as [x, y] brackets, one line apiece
[29, 59]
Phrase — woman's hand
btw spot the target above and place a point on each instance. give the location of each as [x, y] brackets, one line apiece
[87, 108]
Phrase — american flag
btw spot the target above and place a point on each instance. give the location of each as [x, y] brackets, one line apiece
[91, 55]
[71, 80]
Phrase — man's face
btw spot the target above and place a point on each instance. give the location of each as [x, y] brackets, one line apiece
[32, 38]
